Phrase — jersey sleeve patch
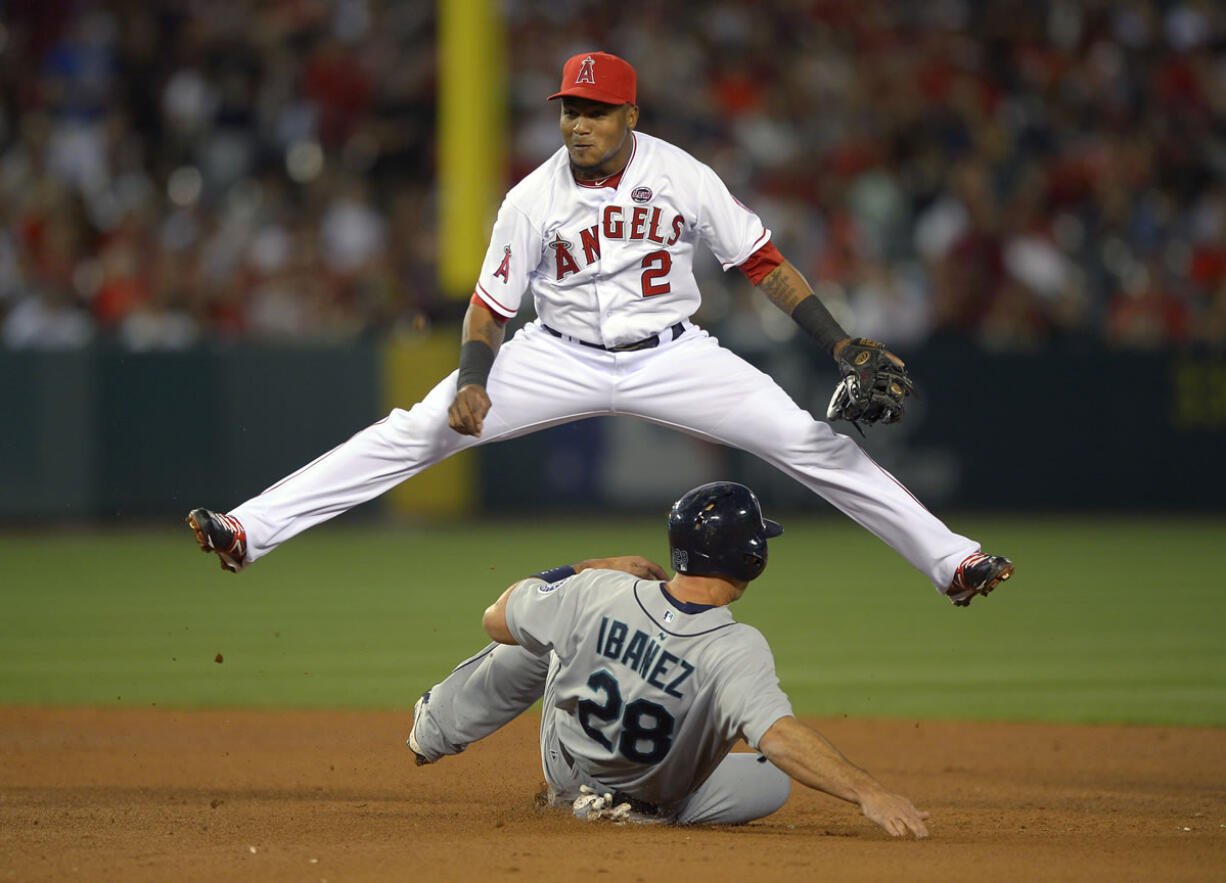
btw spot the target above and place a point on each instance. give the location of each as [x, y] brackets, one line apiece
[504, 269]
[542, 618]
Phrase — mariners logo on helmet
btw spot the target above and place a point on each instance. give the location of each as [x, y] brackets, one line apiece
[717, 529]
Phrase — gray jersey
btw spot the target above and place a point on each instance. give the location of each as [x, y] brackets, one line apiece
[654, 692]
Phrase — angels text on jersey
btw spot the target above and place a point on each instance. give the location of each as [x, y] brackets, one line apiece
[622, 223]
[577, 250]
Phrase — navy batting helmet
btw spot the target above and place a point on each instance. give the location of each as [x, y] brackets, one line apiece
[717, 529]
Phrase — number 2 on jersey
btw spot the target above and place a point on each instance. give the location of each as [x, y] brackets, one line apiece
[643, 722]
[656, 267]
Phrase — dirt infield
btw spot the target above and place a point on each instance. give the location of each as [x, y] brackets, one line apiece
[314, 796]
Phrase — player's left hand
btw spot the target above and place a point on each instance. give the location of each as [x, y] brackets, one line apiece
[895, 813]
[636, 565]
[875, 383]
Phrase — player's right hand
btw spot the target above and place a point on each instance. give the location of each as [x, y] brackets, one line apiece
[895, 813]
[468, 409]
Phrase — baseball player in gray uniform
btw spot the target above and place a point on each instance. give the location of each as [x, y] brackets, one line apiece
[602, 236]
[647, 685]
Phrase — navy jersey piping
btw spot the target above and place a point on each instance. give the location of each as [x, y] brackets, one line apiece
[684, 606]
[660, 626]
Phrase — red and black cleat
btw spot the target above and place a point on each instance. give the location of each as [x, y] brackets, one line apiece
[979, 574]
[221, 534]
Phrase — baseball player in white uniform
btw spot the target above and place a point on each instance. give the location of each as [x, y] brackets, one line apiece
[647, 685]
[602, 236]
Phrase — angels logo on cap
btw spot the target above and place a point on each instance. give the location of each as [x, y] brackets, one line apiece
[586, 74]
[598, 76]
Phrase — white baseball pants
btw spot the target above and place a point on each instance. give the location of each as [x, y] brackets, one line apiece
[691, 384]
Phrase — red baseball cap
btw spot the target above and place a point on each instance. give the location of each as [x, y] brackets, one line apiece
[598, 76]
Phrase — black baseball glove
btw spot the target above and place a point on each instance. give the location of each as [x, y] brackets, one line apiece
[873, 387]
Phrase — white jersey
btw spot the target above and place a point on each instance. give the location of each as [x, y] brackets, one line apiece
[653, 692]
[614, 265]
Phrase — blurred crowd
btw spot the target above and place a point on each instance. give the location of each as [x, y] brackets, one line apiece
[1014, 174]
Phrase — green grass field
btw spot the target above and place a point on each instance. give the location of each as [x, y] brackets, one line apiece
[1107, 620]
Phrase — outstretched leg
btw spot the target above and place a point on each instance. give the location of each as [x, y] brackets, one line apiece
[370, 463]
[534, 384]
[748, 410]
[484, 693]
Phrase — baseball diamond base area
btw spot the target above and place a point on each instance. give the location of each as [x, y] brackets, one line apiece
[334, 796]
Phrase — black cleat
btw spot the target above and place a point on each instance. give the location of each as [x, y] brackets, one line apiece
[221, 534]
[979, 574]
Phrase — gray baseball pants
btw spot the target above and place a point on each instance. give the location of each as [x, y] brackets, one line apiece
[492, 688]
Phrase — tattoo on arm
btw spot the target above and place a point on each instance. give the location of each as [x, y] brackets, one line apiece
[490, 334]
[788, 290]
[785, 287]
[481, 326]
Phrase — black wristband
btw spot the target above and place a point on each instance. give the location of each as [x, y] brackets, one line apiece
[558, 573]
[811, 315]
[476, 360]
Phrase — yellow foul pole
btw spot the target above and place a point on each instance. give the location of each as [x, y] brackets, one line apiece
[472, 136]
